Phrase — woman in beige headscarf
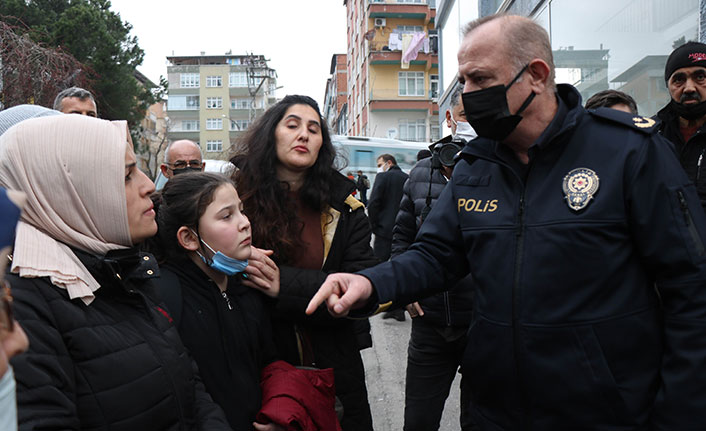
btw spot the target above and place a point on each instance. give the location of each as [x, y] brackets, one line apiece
[103, 354]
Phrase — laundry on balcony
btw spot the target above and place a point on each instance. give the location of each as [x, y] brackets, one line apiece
[411, 45]
[395, 43]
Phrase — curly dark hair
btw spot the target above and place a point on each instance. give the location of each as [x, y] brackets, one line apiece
[266, 199]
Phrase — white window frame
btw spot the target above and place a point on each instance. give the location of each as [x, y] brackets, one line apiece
[409, 29]
[214, 124]
[239, 103]
[433, 82]
[189, 80]
[214, 102]
[418, 126]
[214, 146]
[214, 81]
[238, 79]
[403, 79]
[239, 125]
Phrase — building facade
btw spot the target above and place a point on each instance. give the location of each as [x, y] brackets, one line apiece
[336, 96]
[392, 65]
[213, 98]
[598, 45]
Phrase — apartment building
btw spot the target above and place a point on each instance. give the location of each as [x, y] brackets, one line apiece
[392, 64]
[335, 110]
[213, 98]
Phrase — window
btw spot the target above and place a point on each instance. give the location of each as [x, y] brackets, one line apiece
[435, 133]
[239, 125]
[214, 102]
[402, 29]
[214, 124]
[239, 103]
[238, 79]
[189, 80]
[213, 146]
[214, 81]
[411, 84]
[411, 1]
[183, 102]
[434, 86]
[186, 126]
[412, 130]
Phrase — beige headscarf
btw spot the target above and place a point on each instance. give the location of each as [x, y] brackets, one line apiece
[72, 169]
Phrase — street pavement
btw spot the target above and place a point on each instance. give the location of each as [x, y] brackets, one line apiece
[385, 367]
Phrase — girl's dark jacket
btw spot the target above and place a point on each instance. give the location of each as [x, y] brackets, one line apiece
[326, 341]
[228, 335]
[116, 364]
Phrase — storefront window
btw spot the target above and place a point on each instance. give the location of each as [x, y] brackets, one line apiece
[618, 44]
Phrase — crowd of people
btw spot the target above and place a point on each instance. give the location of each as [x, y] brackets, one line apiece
[554, 252]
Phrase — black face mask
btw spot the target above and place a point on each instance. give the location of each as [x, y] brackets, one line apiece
[689, 112]
[487, 111]
[186, 169]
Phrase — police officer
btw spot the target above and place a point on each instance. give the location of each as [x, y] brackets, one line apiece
[586, 243]
[684, 117]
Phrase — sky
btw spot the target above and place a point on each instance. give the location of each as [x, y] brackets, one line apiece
[298, 37]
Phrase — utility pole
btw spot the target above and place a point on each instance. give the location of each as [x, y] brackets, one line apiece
[258, 72]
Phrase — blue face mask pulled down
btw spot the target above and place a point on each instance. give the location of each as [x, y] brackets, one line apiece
[221, 262]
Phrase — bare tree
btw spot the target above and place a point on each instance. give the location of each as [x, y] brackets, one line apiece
[31, 73]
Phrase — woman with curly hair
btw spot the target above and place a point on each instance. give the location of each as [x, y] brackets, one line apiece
[306, 216]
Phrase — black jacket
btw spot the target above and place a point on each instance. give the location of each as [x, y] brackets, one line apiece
[452, 308]
[590, 318]
[116, 364]
[692, 154]
[330, 342]
[384, 201]
[228, 335]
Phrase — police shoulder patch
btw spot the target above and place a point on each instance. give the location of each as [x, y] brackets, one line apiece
[637, 122]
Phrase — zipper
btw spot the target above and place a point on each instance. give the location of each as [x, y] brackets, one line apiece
[698, 165]
[690, 224]
[225, 296]
[447, 308]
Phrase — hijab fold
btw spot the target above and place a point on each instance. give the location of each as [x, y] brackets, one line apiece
[72, 169]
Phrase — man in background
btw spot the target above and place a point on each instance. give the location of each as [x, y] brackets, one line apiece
[76, 100]
[613, 99]
[182, 156]
[363, 184]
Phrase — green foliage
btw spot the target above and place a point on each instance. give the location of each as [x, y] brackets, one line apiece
[95, 36]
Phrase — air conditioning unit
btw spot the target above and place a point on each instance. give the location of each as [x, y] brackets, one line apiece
[380, 22]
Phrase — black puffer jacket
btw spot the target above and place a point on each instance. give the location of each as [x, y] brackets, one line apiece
[331, 342]
[115, 364]
[452, 308]
[692, 154]
[384, 202]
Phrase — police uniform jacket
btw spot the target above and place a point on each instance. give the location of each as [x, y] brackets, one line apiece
[115, 364]
[452, 308]
[569, 331]
[692, 153]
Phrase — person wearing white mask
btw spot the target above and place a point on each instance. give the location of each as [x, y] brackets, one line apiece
[439, 322]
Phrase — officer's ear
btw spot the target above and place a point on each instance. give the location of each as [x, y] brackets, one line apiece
[539, 73]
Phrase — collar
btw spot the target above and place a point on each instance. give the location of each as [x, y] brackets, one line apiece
[569, 113]
[121, 264]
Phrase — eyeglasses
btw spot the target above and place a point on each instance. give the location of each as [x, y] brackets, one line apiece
[7, 320]
[181, 164]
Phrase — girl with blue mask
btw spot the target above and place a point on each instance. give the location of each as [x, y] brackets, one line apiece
[207, 285]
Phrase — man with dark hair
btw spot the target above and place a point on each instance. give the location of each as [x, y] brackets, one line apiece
[383, 206]
[585, 240]
[76, 100]
[362, 184]
[683, 119]
[613, 99]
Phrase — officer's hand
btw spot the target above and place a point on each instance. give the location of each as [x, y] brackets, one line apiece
[414, 310]
[342, 292]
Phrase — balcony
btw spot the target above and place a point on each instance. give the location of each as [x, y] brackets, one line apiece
[380, 56]
[390, 100]
[397, 9]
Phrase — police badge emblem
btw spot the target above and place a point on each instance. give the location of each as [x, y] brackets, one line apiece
[579, 187]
